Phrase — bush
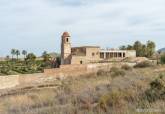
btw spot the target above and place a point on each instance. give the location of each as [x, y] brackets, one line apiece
[102, 73]
[143, 64]
[157, 89]
[114, 72]
[126, 67]
[162, 58]
[117, 72]
[112, 99]
[6, 70]
[46, 64]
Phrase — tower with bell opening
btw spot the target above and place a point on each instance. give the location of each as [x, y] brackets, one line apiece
[65, 49]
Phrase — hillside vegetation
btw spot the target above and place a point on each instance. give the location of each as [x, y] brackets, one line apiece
[29, 64]
[21, 67]
[123, 90]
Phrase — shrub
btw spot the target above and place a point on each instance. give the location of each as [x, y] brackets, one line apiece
[157, 89]
[126, 67]
[162, 58]
[102, 73]
[46, 64]
[112, 99]
[114, 71]
[117, 72]
[143, 64]
[6, 70]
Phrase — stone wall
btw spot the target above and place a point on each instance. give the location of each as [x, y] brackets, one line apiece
[31, 78]
[78, 70]
[66, 70]
[20, 80]
[78, 60]
[93, 54]
[84, 55]
[51, 74]
[9, 81]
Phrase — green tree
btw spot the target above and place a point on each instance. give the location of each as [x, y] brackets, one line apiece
[122, 47]
[150, 48]
[17, 53]
[144, 50]
[46, 56]
[58, 61]
[30, 57]
[13, 52]
[44, 53]
[24, 52]
[7, 58]
[129, 47]
[162, 58]
[138, 47]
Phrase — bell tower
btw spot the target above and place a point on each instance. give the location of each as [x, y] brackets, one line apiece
[65, 48]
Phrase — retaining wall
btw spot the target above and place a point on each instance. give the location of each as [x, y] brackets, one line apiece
[9, 81]
[49, 74]
[18, 80]
[77, 70]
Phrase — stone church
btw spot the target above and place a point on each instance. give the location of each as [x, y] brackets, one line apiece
[90, 54]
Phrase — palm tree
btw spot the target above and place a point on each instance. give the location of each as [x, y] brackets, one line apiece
[24, 52]
[13, 52]
[17, 53]
[150, 48]
[7, 58]
[31, 57]
[138, 47]
[46, 56]
[44, 53]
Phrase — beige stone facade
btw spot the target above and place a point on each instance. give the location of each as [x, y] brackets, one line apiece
[90, 54]
[65, 48]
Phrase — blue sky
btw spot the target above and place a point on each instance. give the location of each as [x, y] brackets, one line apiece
[36, 25]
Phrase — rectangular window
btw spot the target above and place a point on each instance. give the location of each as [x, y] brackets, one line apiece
[111, 55]
[120, 55]
[123, 54]
[93, 54]
[107, 55]
[102, 55]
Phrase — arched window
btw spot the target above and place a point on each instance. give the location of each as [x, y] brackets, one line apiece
[67, 39]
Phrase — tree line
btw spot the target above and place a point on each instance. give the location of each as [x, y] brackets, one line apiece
[142, 50]
[28, 56]
[29, 64]
[17, 53]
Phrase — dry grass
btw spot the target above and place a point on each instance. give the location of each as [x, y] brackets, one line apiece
[126, 67]
[100, 93]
